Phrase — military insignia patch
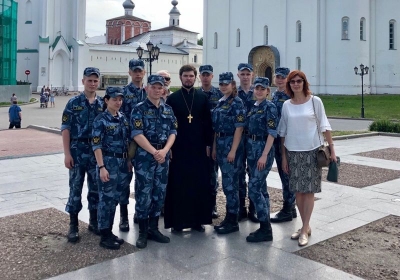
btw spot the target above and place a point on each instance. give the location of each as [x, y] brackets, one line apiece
[240, 118]
[96, 140]
[260, 111]
[176, 125]
[65, 118]
[271, 124]
[138, 124]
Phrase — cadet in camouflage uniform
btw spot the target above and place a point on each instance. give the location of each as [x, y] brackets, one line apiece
[76, 127]
[262, 120]
[110, 146]
[245, 92]
[288, 212]
[134, 93]
[229, 118]
[153, 127]
[214, 95]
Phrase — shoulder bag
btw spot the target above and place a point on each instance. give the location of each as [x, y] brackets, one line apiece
[324, 153]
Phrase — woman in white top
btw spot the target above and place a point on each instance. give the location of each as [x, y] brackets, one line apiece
[300, 138]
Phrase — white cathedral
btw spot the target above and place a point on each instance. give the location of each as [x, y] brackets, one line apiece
[324, 38]
[51, 44]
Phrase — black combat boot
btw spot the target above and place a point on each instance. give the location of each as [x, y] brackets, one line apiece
[242, 209]
[214, 208]
[224, 220]
[73, 233]
[141, 242]
[107, 240]
[264, 233]
[123, 222]
[93, 225]
[252, 213]
[154, 234]
[284, 215]
[231, 224]
[120, 241]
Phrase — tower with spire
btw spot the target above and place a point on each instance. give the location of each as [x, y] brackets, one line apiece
[174, 14]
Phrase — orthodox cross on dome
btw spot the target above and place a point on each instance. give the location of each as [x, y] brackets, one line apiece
[174, 14]
[128, 6]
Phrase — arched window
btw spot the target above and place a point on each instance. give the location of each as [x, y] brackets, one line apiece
[28, 19]
[173, 22]
[298, 31]
[392, 36]
[195, 58]
[345, 28]
[238, 37]
[215, 40]
[265, 35]
[362, 29]
[298, 63]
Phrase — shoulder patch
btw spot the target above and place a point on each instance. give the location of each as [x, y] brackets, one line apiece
[271, 124]
[176, 124]
[65, 118]
[96, 140]
[138, 124]
[240, 118]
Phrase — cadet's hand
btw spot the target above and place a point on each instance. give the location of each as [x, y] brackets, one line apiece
[261, 162]
[161, 154]
[285, 166]
[231, 156]
[130, 166]
[104, 176]
[214, 154]
[68, 161]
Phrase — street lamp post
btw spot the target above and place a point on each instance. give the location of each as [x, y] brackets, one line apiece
[153, 53]
[363, 71]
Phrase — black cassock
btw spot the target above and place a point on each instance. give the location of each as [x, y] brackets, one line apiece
[188, 198]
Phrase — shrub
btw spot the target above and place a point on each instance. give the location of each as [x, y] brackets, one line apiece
[385, 126]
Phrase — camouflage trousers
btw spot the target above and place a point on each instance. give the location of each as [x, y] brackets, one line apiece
[84, 163]
[124, 200]
[289, 197]
[151, 180]
[242, 172]
[230, 172]
[110, 192]
[258, 178]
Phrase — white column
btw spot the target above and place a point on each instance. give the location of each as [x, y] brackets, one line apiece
[371, 33]
[43, 29]
[122, 33]
[321, 47]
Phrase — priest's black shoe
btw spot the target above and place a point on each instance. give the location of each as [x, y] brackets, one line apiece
[242, 209]
[284, 215]
[73, 233]
[154, 234]
[141, 242]
[252, 215]
[231, 224]
[123, 222]
[264, 233]
[93, 225]
[199, 228]
[107, 240]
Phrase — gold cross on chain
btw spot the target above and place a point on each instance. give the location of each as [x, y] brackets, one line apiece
[190, 118]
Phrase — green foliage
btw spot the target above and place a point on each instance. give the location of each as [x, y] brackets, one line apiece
[385, 106]
[200, 41]
[385, 126]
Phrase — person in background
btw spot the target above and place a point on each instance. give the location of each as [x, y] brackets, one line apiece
[52, 97]
[13, 98]
[167, 77]
[302, 126]
[262, 120]
[14, 115]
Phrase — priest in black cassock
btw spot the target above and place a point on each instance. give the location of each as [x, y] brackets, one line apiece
[188, 202]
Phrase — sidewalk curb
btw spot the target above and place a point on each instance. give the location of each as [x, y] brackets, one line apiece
[351, 119]
[45, 129]
[353, 136]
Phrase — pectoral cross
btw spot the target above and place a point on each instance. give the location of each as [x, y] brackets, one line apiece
[190, 118]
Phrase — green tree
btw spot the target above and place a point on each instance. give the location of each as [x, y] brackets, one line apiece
[200, 41]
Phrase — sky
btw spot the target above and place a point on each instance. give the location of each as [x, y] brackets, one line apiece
[155, 11]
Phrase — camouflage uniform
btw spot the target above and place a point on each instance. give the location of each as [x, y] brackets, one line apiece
[156, 124]
[78, 117]
[289, 197]
[229, 114]
[262, 121]
[111, 135]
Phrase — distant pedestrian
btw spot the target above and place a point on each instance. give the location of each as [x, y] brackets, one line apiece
[13, 98]
[52, 97]
[14, 115]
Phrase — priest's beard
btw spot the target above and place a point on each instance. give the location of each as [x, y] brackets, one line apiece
[188, 85]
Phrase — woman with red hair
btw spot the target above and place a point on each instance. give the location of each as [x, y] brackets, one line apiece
[302, 129]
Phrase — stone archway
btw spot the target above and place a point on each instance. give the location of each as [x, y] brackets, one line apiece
[265, 59]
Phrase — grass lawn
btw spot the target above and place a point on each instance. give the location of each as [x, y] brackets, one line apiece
[375, 106]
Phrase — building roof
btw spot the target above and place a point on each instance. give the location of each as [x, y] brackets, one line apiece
[97, 40]
[174, 28]
[188, 45]
[128, 17]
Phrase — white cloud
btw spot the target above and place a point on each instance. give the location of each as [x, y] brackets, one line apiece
[156, 11]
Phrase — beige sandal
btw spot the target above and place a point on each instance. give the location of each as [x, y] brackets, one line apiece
[296, 235]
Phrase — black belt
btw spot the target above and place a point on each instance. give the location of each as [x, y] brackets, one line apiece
[116, 155]
[158, 146]
[223, 134]
[257, 137]
[84, 140]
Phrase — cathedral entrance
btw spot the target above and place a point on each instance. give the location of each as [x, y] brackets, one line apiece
[264, 60]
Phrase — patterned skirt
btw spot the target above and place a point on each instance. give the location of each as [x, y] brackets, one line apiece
[305, 175]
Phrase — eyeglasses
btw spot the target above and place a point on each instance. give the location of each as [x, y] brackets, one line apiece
[167, 78]
[292, 82]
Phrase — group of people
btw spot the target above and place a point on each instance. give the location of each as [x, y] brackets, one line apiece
[47, 95]
[182, 139]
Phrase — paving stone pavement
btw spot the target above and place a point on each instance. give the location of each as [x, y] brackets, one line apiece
[32, 183]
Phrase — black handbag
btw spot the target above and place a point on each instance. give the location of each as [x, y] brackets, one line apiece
[324, 153]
